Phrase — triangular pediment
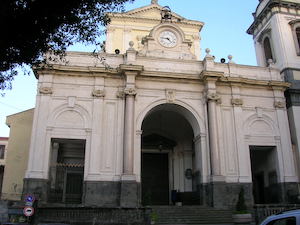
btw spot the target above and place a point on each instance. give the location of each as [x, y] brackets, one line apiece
[152, 11]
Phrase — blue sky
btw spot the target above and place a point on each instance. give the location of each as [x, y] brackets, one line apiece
[224, 32]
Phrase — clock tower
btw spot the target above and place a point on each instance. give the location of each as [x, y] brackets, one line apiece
[155, 31]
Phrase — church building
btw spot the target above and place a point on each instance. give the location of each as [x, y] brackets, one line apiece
[149, 117]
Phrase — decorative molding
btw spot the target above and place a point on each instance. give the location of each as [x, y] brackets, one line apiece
[45, 90]
[237, 101]
[214, 97]
[170, 95]
[71, 101]
[98, 93]
[279, 104]
[259, 112]
[130, 91]
[120, 94]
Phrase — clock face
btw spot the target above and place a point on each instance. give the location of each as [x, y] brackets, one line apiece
[167, 39]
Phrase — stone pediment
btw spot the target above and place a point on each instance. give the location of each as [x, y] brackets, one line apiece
[152, 11]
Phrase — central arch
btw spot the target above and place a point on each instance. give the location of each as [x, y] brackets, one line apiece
[171, 160]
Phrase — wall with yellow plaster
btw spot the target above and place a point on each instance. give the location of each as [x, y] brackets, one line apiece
[17, 155]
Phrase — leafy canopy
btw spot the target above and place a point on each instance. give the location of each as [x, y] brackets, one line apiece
[32, 27]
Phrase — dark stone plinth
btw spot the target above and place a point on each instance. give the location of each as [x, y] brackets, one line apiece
[36, 187]
[225, 195]
[130, 194]
[3, 211]
[290, 193]
[101, 193]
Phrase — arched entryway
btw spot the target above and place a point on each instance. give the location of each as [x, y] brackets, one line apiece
[170, 167]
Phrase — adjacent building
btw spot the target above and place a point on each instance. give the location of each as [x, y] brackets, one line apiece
[17, 157]
[3, 152]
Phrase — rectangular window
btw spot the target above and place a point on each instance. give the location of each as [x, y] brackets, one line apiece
[2, 151]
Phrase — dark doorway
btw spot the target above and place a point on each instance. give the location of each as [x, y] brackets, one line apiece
[264, 174]
[155, 179]
[67, 170]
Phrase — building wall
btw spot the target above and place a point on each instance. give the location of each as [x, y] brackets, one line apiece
[16, 162]
[3, 141]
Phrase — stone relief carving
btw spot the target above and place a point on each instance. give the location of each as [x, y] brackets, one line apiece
[214, 97]
[237, 101]
[279, 104]
[45, 90]
[98, 93]
[130, 91]
[120, 94]
[170, 96]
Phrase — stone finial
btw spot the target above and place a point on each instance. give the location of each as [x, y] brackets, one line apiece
[207, 52]
[154, 2]
[131, 44]
[230, 59]
[270, 62]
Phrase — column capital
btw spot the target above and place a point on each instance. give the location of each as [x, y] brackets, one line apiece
[130, 91]
[279, 104]
[213, 97]
[237, 101]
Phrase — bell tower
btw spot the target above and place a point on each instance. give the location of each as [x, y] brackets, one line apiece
[276, 34]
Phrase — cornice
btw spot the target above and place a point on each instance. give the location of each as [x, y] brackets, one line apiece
[146, 74]
[135, 68]
[74, 70]
[253, 82]
[268, 9]
[154, 20]
[207, 75]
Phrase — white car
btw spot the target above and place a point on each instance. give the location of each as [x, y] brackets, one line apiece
[291, 217]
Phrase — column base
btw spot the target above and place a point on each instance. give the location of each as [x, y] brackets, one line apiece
[101, 193]
[225, 195]
[130, 194]
[36, 187]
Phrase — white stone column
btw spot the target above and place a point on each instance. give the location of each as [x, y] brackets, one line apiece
[129, 131]
[212, 99]
[130, 71]
[53, 155]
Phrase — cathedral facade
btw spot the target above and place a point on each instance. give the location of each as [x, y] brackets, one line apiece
[146, 118]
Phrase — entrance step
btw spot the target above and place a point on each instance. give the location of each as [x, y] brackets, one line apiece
[196, 215]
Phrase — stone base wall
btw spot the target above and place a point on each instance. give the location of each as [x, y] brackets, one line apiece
[127, 194]
[3, 211]
[36, 187]
[223, 195]
[93, 216]
[101, 193]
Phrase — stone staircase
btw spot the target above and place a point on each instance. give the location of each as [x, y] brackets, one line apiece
[195, 215]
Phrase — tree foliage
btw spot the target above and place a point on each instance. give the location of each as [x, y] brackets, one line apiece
[32, 27]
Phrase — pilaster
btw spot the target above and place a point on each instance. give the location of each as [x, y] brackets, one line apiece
[130, 188]
[210, 77]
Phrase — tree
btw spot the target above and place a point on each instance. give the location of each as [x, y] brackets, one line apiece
[30, 28]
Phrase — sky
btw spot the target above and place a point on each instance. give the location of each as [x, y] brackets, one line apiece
[224, 33]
